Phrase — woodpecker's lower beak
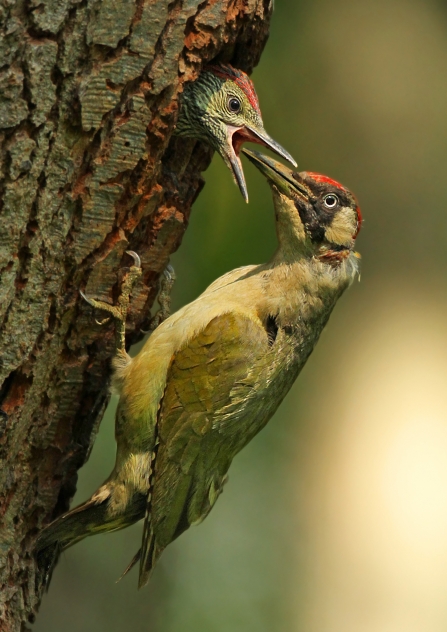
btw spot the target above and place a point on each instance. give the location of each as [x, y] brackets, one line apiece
[231, 157]
[239, 135]
[279, 175]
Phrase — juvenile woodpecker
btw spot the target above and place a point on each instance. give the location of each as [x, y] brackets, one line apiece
[222, 109]
[212, 374]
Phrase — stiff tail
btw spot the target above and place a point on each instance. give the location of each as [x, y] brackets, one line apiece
[146, 564]
[148, 554]
[87, 519]
[75, 525]
[90, 518]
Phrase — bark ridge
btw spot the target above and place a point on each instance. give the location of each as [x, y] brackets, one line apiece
[88, 169]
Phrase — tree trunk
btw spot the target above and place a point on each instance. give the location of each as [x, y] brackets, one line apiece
[88, 104]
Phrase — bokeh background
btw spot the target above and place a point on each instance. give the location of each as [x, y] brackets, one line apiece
[335, 516]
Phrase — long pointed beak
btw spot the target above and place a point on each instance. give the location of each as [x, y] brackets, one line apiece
[260, 136]
[235, 165]
[236, 137]
[282, 177]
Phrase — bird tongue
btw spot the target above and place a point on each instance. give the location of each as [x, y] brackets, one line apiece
[237, 136]
[240, 136]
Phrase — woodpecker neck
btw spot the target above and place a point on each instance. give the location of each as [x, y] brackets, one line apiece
[194, 108]
[293, 242]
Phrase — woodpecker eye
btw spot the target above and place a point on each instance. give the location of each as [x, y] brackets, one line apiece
[330, 200]
[234, 105]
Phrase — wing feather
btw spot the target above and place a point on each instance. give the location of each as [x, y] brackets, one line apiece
[193, 452]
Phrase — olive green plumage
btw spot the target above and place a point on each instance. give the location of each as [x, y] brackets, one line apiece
[221, 108]
[212, 374]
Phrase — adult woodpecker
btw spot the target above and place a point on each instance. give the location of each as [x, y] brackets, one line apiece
[222, 109]
[212, 374]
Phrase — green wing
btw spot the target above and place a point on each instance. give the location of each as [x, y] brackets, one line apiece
[194, 449]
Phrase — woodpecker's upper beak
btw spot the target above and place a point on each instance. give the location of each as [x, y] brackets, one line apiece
[260, 136]
[282, 177]
[239, 135]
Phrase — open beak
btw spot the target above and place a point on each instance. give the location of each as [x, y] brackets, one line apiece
[239, 135]
[232, 159]
[278, 174]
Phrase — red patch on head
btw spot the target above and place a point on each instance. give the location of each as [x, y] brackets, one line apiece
[318, 177]
[241, 79]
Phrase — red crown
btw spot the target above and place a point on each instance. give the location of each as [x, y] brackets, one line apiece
[318, 177]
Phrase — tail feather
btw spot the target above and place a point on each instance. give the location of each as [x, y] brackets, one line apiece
[75, 525]
[147, 558]
[90, 518]
[130, 566]
[64, 532]
[146, 553]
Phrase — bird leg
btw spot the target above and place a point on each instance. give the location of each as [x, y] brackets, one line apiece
[119, 311]
[164, 298]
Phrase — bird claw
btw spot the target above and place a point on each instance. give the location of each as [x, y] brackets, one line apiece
[119, 311]
[169, 273]
[135, 257]
[98, 305]
[87, 300]
[102, 322]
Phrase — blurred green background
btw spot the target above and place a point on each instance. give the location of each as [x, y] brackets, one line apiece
[335, 517]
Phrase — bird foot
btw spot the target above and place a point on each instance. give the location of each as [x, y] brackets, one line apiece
[119, 311]
[164, 298]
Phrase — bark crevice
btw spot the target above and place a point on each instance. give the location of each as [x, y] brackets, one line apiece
[88, 169]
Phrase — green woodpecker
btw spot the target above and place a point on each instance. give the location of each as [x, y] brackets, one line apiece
[222, 109]
[212, 374]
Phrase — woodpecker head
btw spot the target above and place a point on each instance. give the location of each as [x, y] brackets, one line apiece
[312, 209]
[222, 109]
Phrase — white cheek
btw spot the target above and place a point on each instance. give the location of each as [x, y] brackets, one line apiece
[343, 227]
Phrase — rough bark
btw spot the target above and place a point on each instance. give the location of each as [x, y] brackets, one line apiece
[88, 104]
